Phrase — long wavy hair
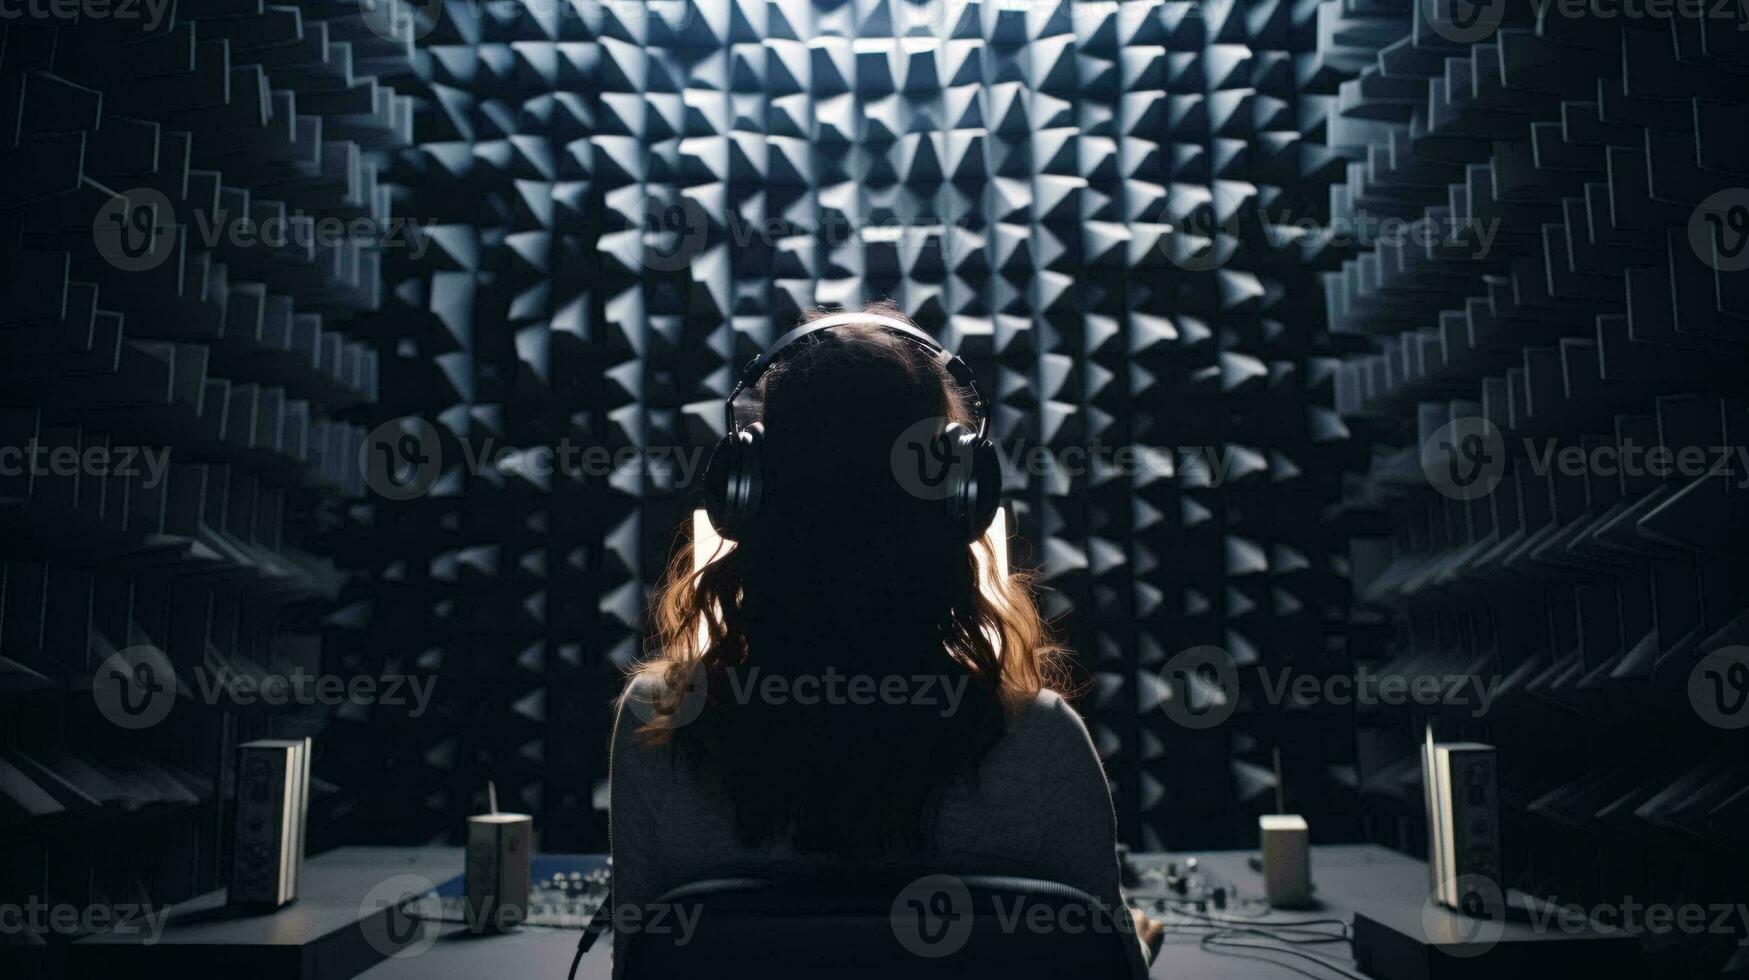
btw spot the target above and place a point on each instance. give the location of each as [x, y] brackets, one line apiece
[844, 573]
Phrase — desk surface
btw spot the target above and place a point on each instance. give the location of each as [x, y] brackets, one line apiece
[1348, 878]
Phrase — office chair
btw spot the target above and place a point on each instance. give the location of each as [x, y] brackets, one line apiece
[850, 927]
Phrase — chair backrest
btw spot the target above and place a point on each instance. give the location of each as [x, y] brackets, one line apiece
[886, 926]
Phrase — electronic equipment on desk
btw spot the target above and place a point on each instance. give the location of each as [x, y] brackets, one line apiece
[1195, 904]
[567, 892]
[504, 886]
[273, 802]
[1187, 885]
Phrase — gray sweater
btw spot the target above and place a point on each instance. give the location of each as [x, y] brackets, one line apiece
[1040, 808]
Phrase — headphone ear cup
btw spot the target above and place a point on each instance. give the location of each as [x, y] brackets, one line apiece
[735, 481]
[985, 494]
[977, 475]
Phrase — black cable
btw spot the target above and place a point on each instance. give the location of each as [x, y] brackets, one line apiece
[1220, 933]
[1302, 971]
[1211, 941]
[582, 944]
[1256, 924]
[1248, 922]
[597, 927]
[1312, 937]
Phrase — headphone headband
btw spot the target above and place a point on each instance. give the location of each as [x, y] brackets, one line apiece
[960, 372]
[968, 490]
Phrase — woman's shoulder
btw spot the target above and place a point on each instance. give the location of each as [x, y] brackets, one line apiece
[1048, 723]
[1046, 709]
[1047, 759]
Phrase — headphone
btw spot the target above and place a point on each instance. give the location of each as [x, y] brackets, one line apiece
[969, 488]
